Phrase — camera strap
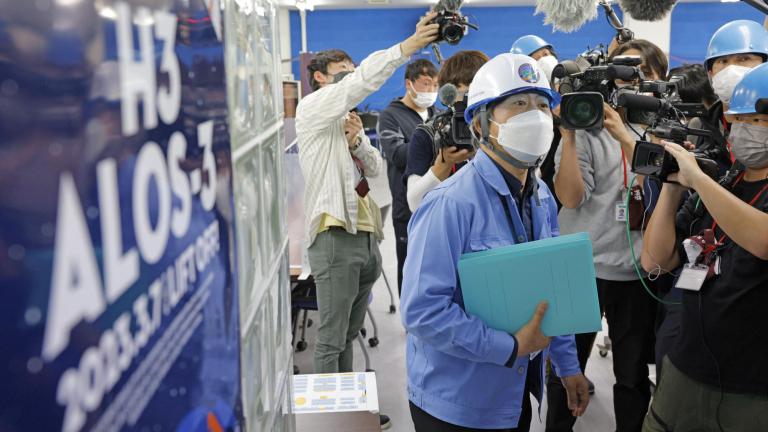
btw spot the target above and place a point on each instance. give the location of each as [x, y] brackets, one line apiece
[624, 164]
[751, 203]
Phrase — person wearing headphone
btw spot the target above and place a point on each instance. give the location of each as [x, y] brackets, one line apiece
[462, 374]
[715, 377]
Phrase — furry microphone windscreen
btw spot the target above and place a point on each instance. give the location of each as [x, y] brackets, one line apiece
[647, 10]
[567, 15]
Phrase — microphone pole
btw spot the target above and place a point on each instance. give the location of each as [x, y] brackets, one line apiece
[623, 34]
[762, 6]
[438, 54]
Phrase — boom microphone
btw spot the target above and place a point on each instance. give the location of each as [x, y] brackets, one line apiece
[448, 94]
[566, 15]
[761, 5]
[647, 10]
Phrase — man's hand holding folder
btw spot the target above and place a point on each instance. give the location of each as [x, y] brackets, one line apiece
[531, 339]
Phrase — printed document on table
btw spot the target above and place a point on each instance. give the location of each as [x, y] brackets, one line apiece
[322, 393]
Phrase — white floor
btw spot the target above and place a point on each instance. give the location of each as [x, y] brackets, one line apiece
[388, 359]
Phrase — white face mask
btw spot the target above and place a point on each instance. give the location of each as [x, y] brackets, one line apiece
[750, 144]
[423, 100]
[527, 136]
[547, 65]
[725, 81]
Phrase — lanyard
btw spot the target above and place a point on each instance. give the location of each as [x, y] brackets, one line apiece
[511, 221]
[754, 200]
[727, 142]
[624, 163]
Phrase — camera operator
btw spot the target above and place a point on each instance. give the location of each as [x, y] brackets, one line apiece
[344, 223]
[396, 125]
[544, 54]
[537, 48]
[715, 376]
[694, 89]
[697, 89]
[426, 165]
[462, 374]
[591, 181]
[734, 49]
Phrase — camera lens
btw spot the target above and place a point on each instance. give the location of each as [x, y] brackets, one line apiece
[452, 33]
[582, 112]
[657, 159]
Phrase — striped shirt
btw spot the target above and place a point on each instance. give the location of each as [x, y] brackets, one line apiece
[324, 154]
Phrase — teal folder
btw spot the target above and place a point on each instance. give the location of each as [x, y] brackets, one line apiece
[502, 286]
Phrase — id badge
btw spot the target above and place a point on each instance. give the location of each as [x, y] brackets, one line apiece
[692, 277]
[621, 212]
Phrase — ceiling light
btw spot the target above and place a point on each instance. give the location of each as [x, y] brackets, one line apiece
[108, 13]
[305, 5]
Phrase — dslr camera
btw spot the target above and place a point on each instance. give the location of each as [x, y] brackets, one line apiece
[651, 159]
[589, 81]
[452, 25]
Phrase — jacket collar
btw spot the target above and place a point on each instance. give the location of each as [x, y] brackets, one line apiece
[490, 174]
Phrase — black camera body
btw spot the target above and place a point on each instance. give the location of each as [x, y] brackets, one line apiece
[461, 136]
[589, 81]
[449, 129]
[669, 92]
[653, 161]
[452, 25]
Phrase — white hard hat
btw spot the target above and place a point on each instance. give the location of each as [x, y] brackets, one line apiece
[505, 75]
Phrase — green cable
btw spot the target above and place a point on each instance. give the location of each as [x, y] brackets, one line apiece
[632, 249]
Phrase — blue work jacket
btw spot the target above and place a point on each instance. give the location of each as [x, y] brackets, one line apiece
[456, 364]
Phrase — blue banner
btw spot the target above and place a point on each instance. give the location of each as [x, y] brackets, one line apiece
[119, 306]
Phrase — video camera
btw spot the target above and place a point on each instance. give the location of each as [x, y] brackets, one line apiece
[651, 159]
[448, 128]
[589, 81]
[452, 25]
[669, 92]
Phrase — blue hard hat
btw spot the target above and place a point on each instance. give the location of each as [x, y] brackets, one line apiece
[737, 37]
[528, 45]
[751, 94]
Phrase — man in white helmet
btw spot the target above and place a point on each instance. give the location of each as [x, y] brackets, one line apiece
[462, 374]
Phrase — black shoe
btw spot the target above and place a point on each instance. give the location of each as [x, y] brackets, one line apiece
[591, 386]
[384, 422]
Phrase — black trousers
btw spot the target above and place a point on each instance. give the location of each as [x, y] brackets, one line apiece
[401, 248]
[631, 314]
[668, 327]
[424, 422]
